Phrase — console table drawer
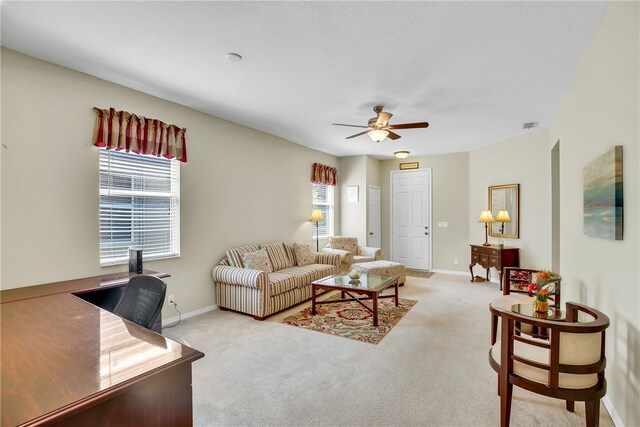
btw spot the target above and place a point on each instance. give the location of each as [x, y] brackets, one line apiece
[494, 256]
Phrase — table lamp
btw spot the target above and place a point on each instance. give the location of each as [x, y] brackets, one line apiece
[503, 216]
[486, 217]
[316, 216]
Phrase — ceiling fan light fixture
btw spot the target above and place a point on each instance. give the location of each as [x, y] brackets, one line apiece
[378, 135]
[401, 154]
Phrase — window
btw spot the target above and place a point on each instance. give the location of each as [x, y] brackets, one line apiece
[139, 206]
[323, 200]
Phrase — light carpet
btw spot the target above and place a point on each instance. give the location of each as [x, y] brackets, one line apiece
[348, 319]
[432, 370]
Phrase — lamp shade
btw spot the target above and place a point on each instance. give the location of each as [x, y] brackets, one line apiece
[401, 154]
[378, 135]
[485, 216]
[316, 216]
[503, 216]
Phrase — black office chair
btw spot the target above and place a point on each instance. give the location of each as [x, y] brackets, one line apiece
[142, 301]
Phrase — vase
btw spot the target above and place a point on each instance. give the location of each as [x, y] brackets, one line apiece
[541, 306]
[355, 274]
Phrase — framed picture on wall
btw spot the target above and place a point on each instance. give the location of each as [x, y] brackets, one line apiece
[352, 193]
[602, 197]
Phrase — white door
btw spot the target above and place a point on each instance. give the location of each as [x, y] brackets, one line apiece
[411, 218]
[373, 238]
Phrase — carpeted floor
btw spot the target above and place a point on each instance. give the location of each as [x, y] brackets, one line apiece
[430, 370]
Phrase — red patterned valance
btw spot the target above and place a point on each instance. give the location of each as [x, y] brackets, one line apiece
[323, 174]
[120, 130]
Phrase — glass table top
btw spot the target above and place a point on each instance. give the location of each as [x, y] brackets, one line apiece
[527, 310]
[366, 281]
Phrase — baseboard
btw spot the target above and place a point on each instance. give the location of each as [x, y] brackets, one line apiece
[617, 421]
[458, 273]
[172, 320]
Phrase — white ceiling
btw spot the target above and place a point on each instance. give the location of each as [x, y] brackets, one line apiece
[474, 70]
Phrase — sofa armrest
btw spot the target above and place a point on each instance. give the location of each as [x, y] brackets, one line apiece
[346, 257]
[375, 253]
[240, 276]
[326, 257]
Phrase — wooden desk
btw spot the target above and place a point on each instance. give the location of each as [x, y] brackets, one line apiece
[493, 256]
[68, 362]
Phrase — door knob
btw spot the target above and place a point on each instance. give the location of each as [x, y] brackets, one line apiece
[370, 234]
[426, 227]
[426, 234]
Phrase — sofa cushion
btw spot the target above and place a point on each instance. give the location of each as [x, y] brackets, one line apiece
[258, 260]
[345, 243]
[291, 253]
[234, 255]
[278, 256]
[310, 272]
[282, 282]
[304, 253]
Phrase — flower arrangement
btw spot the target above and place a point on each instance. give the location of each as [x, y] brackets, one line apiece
[543, 285]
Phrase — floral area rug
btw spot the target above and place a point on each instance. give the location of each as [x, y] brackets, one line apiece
[351, 320]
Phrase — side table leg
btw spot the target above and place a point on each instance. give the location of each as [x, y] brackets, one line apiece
[313, 300]
[471, 270]
[488, 274]
[375, 309]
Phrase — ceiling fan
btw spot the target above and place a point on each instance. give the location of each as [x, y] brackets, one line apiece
[379, 128]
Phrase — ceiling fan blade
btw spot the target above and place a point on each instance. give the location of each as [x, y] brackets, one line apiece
[383, 118]
[357, 134]
[353, 126]
[409, 125]
[393, 135]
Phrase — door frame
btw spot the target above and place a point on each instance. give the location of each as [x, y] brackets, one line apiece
[430, 210]
[379, 214]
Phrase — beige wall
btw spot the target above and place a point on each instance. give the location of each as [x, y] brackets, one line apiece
[353, 216]
[524, 160]
[601, 109]
[450, 203]
[239, 186]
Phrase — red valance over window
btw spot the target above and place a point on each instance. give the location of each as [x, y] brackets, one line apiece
[120, 130]
[323, 174]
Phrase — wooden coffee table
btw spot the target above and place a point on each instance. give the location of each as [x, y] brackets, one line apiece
[369, 285]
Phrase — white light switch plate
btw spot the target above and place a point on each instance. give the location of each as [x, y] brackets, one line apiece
[443, 224]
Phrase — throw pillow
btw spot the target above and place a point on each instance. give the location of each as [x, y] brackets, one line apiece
[235, 255]
[258, 260]
[304, 253]
[278, 256]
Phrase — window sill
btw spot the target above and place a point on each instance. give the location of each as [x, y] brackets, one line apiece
[125, 261]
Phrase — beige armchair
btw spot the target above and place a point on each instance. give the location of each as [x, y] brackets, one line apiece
[350, 252]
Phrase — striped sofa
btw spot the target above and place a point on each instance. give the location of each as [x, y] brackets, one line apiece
[262, 293]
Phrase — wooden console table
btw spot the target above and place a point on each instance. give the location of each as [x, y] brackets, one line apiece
[494, 256]
[67, 362]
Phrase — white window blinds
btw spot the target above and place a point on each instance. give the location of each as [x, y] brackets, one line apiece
[139, 206]
[323, 200]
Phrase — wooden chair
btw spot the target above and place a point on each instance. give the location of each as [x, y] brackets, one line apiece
[514, 291]
[569, 366]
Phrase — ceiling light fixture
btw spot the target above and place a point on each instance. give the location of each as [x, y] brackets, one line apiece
[401, 154]
[378, 135]
[234, 57]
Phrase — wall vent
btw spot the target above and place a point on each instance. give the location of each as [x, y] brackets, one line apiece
[529, 125]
